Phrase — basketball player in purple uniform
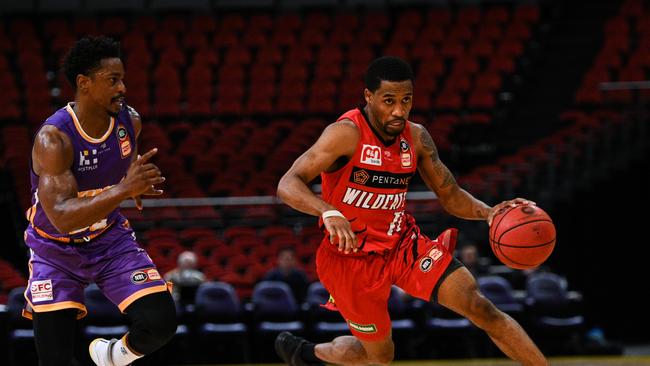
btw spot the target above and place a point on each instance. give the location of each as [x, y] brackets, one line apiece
[84, 164]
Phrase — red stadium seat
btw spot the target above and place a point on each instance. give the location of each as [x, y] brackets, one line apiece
[481, 100]
[448, 100]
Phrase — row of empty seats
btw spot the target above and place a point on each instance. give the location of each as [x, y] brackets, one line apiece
[624, 56]
[218, 315]
[259, 66]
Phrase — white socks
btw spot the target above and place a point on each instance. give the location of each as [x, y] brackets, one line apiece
[121, 355]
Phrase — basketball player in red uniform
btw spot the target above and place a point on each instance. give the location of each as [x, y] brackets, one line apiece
[366, 160]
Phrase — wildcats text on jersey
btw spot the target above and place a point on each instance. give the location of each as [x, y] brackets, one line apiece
[374, 201]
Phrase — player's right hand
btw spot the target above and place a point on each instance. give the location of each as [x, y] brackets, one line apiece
[341, 234]
[142, 176]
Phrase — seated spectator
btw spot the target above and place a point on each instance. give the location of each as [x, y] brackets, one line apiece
[470, 258]
[287, 271]
[186, 278]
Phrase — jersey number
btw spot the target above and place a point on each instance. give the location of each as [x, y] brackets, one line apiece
[396, 224]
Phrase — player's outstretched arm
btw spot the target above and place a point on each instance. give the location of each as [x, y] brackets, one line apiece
[337, 143]
[52, 158]
[440, 180]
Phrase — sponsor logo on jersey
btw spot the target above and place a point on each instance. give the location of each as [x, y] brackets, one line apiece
[406, 160]
[379, 179]
[144, 276]
[425, 264]
[374, 201]
[41, 291]
[435, 254]
[360, 176]
[363, 328]
[371, 155]
[88, 160]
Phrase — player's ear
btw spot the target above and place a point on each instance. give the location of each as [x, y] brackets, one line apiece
[367, 95]
[82, 82]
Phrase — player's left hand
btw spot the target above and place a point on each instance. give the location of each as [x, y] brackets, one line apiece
[504, 205]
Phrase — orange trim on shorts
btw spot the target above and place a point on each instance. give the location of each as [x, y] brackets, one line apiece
[54, 307]
[83, 133]
[138, 294]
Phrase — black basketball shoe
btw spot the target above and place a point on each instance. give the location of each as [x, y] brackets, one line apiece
[289, 347]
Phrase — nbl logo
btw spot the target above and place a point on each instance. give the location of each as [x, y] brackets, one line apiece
[371, 154]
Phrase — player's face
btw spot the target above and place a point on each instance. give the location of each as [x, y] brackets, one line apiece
[390, 106]
[107, 88]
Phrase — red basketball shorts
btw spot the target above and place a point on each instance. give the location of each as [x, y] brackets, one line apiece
[360, 283]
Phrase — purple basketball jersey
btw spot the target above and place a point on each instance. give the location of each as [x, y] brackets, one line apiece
[98, 165]
[63, 264]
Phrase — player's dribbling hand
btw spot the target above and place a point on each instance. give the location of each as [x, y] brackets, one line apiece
[341, 234]
[141, 178]
[504, 205]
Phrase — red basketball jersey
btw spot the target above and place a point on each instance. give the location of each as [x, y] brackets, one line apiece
[370, 190]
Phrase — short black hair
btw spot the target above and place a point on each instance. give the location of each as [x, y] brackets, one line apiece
[86, 56]
[388, 68]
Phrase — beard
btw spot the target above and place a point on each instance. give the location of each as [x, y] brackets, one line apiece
[394, 131]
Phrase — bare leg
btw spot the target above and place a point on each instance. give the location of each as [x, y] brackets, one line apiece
[349, 350]
[460, 293]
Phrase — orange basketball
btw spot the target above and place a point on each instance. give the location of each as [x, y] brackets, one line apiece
[522, 236]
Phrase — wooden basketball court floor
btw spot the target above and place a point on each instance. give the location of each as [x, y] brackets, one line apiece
[555, 361]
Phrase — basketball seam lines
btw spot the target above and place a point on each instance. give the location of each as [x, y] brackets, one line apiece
[525, 247]
[522, 224]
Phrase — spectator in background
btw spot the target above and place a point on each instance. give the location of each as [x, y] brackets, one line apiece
[288, 272]
[186, 278]
[470, 258]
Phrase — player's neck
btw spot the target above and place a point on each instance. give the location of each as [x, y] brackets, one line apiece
[94, 121]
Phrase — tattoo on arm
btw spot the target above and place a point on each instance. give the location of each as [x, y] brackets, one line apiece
[427, 143]
[438, 166]
[449, 178]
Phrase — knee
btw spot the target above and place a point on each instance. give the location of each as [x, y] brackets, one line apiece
[484, 313]
[153, 322]
[159, 322]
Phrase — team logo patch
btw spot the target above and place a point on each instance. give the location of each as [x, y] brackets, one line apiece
[363, 328]
[144, 276]
[371, 155]
[404, 145]
[361, 177]
[125, 144]
[425, 264]
[122, 134]
[42, 291]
